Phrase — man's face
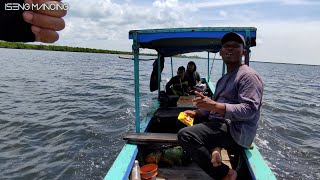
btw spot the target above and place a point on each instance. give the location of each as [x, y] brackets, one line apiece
[180, 74]
[232, 52]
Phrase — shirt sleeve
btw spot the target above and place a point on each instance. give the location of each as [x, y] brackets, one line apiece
[169, 84]
[203, 113]
[198, 76]
[250, 99]
[13, 27]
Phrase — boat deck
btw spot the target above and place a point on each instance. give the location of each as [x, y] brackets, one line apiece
[191, 171]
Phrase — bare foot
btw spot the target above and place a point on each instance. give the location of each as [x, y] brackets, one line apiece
[216, 157]
[232, 175]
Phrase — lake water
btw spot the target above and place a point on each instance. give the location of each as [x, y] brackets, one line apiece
[63, 114]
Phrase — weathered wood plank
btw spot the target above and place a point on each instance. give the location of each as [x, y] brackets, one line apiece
[151, 138]
[225, 158]
[190, 172]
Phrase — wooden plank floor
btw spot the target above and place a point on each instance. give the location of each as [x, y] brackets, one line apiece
[225, 158]
[190, 172]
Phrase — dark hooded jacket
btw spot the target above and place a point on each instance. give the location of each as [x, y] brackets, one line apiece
[193, 76]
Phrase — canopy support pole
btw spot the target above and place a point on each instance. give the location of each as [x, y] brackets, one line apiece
[248, 44]
[247, 56]
[208, 67]
[223, 68]
[159, 76]
[135, 49]
[171, 68]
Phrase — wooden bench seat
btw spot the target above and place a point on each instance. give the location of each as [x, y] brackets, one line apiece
[163, 138]
[151, 138]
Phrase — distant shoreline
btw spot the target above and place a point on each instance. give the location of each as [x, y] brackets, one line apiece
[17, 45]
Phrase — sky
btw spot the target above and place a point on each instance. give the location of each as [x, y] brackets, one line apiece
[287, 30]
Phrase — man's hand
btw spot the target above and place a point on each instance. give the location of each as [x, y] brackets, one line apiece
[206, 103]
[45, 23]
[190, 113]
[216, 157]
[203, 102]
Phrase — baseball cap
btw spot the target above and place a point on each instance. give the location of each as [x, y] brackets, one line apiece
[232, 36]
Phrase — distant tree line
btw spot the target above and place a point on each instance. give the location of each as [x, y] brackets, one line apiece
[17, 45]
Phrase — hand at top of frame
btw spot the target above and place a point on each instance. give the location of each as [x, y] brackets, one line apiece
[45, 23]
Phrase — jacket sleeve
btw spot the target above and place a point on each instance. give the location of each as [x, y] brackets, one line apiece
[169, 84]
[13, 27]
[197, 76]
[250, 99]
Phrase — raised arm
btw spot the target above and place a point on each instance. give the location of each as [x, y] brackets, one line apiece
[168, 85]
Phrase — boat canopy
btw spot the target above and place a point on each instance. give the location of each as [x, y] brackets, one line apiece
[175, 41]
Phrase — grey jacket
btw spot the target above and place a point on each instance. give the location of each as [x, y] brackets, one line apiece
[241, 91]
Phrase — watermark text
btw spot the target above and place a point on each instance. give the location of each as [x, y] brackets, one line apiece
[36, 7]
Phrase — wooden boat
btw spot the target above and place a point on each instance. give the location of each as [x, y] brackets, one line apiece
[159, 128]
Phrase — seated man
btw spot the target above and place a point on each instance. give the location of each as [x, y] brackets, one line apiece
[232, 114]
[179, 84]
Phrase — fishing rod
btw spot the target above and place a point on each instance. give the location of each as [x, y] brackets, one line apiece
[131, 58]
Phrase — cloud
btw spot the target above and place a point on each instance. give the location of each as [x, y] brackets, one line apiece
[98, 20]
[301, 2]
[222, 3]
[290, 42]
[94, 9]
[166, 3]
[105, 24]
[223, 13]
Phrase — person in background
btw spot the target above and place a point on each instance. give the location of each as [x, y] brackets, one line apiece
[179, 84]
[154, 74]
[232, 114]
[30, 26]
[192, 74]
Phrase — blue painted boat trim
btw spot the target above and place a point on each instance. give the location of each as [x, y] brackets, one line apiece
[257, 165]
[205, 32]
[121, 167]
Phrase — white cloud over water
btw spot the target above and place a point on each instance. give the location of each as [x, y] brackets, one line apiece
[282, 35]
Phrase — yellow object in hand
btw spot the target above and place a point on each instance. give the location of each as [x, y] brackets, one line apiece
[185, 119]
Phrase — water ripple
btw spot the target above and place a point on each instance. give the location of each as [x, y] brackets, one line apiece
[63, 115]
